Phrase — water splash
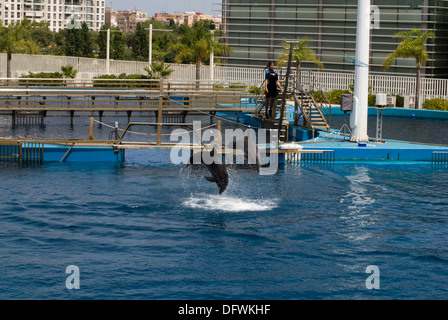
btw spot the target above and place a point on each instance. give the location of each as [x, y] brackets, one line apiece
[228, 203]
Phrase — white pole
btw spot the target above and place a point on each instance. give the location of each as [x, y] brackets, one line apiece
[359, 115]
[212, 62]
[150, 45]
[108, 52]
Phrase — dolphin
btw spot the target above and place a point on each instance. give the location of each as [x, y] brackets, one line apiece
[217, 170]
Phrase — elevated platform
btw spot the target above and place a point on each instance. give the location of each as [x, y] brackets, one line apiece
[389, 150]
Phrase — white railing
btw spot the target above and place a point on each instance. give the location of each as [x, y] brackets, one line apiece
[89, 68]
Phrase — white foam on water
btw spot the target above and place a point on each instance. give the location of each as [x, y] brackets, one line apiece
[228, 203]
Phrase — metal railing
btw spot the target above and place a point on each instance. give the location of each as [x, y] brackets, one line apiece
[89, 67]
[124, 95]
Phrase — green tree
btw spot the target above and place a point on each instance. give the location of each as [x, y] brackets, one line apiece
[79, 42]
[159, 70]
[118, 45]
[140, 43]
[412, 45]
[16, 38]
[86, 41]
[301, 53]
[72, 43]
[69, 71]
[42, 35]
[102, 42]
[197, 43]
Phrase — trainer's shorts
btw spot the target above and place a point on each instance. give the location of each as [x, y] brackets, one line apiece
[271, 94]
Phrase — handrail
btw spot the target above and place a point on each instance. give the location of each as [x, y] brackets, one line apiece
[327, 110]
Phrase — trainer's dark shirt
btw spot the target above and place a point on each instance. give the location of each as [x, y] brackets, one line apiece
[272, 78]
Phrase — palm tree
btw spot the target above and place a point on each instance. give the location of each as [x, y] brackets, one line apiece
[158, 70]
[412, 46]
[16, 39]
[69, 71]
[301, 53]
[197, 43]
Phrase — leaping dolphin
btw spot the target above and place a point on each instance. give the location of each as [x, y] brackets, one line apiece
[218, 170]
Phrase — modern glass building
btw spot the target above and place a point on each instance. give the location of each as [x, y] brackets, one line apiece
[255, 30]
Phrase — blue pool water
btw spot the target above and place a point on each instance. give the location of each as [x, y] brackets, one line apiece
[148, 229]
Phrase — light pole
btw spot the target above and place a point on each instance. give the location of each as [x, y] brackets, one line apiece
[150, 41]
[108, 48]
[212, 61]
[150, 45]
[108, 52]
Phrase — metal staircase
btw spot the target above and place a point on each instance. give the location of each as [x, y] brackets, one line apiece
[316, 115]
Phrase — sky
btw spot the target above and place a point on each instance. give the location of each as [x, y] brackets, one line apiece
[153, 6]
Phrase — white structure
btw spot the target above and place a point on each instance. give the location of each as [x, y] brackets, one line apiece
[58, 13]
[359, 115]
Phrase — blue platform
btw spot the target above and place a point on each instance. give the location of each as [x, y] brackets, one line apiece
[57, 153]
[389, 150]
[344, 150]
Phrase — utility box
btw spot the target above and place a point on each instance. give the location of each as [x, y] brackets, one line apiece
[409, 102]
[381, 100]
[346, 102]
[391, 101]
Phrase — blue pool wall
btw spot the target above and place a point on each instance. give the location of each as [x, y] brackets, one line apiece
[401, 112]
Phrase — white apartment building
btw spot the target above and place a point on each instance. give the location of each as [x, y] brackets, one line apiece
[58, 13]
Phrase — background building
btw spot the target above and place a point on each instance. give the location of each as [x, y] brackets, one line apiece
[255, 30]
[127, 19]
[56, 12]
[189, 18]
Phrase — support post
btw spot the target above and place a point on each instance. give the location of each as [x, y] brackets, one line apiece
[219, 133]
[159, 115]
[285, 89]
[359, 115]
[91, 129]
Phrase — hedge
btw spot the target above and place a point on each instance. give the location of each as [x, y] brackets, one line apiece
[42, 75]
[436, 104]
[124, 84]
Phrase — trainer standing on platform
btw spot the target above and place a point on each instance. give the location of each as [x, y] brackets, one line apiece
[270, 85]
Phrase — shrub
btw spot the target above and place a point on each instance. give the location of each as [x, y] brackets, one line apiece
[334, 96]
[436, 104]
[123, 84]
[399, 103]
[371, 100]
[256, 90]
[42, 75]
